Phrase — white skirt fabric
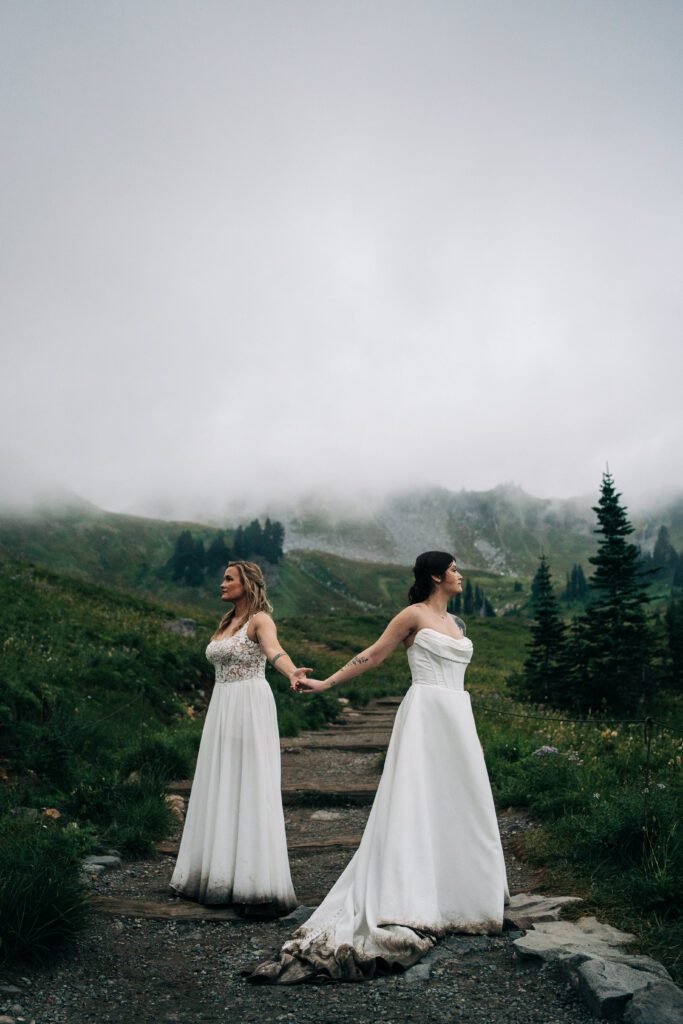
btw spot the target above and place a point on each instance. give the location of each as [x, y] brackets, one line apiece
[233, 848]
[430, 860]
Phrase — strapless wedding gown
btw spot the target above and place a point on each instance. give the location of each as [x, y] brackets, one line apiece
[234, 848]
[430, 860]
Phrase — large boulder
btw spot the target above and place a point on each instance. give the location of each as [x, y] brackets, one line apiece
[659, 1002]
[557, 940]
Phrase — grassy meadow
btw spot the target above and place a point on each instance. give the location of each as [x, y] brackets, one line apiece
[100, 705]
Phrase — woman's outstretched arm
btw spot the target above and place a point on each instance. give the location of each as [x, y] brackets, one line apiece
[400, 627]
[265, 632]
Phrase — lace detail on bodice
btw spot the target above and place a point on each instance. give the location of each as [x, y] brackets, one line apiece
[236, 657]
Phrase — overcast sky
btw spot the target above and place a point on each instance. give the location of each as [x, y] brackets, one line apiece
[263, 248]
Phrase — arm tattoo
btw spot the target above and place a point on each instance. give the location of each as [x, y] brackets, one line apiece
[280, 655]
[358, 660]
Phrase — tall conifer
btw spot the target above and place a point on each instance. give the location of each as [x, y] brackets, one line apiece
[542, 677]
[615, 630]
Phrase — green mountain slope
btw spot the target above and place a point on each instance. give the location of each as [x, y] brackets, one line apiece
[132, 552]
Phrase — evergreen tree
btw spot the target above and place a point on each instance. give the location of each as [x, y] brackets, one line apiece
[217, 555]
[677, 581]
[188, 559]
[253, 539]
[614, 627]
[542, 677]
[273, 538]
[468, 599]
[238, 544]
[577, 585]
[278, 532]
[194, 570]
[674, 630]
[488, 610]
[478, 599]
[456, 605]
[664, 557]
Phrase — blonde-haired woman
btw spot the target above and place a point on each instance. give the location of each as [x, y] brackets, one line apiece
[233, 848]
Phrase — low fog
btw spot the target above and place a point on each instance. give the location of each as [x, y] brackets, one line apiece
[258, 251]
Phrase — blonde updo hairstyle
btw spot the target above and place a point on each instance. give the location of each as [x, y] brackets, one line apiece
[254, 584]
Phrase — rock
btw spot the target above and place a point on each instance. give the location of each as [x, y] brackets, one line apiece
[10, 990]
[298, 916]
[660, 1002]
[419, 972]
[326, 816]
[92, 871]
[524, 909]
[176, 805]
[635, 961]
[557, 940]
[103, 860]
[4, 1019]
[182, 627]
[606, 986]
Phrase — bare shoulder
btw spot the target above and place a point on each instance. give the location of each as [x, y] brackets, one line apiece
[262, 620]
[262, 617]
[407, 620]
[260, 625]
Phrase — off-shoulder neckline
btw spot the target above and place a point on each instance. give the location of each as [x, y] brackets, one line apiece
[428, 629]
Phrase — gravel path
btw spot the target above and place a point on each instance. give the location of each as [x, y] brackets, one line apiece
[128, 970]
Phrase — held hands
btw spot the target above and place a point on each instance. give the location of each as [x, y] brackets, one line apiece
[313, 686]
[297, 677]
[304, 685]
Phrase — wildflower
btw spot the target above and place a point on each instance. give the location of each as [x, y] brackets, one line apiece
[51, 812]
[661, 785]
[596, 796]
[545, 750]
[573, 757]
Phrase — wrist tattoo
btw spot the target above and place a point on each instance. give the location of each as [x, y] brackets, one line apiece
[280, 655]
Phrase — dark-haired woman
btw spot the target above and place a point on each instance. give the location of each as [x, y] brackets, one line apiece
[430, 860]
[234, 848]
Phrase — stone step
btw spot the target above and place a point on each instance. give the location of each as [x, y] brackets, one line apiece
[359, 746]
[172, 909]
[298, 846]
[307, 793]
[321, 794]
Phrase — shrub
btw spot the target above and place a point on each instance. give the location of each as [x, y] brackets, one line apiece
[549, 784]
[42, 898]
[166, 756]
[131, 816]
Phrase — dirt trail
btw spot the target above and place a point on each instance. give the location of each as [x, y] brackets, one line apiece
[148, 957]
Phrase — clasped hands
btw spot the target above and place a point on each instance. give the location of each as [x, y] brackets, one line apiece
[299, 682]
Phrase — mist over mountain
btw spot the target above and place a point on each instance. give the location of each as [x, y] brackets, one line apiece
[503, 530]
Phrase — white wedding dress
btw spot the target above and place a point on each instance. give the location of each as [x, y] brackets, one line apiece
[234, 848]
[430, 860]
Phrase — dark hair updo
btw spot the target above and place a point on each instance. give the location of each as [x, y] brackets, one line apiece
[428, 564]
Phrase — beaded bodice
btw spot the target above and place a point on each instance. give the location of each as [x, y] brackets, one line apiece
[236, 657]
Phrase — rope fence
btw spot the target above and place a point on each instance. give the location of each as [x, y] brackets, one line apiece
[565, 719]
